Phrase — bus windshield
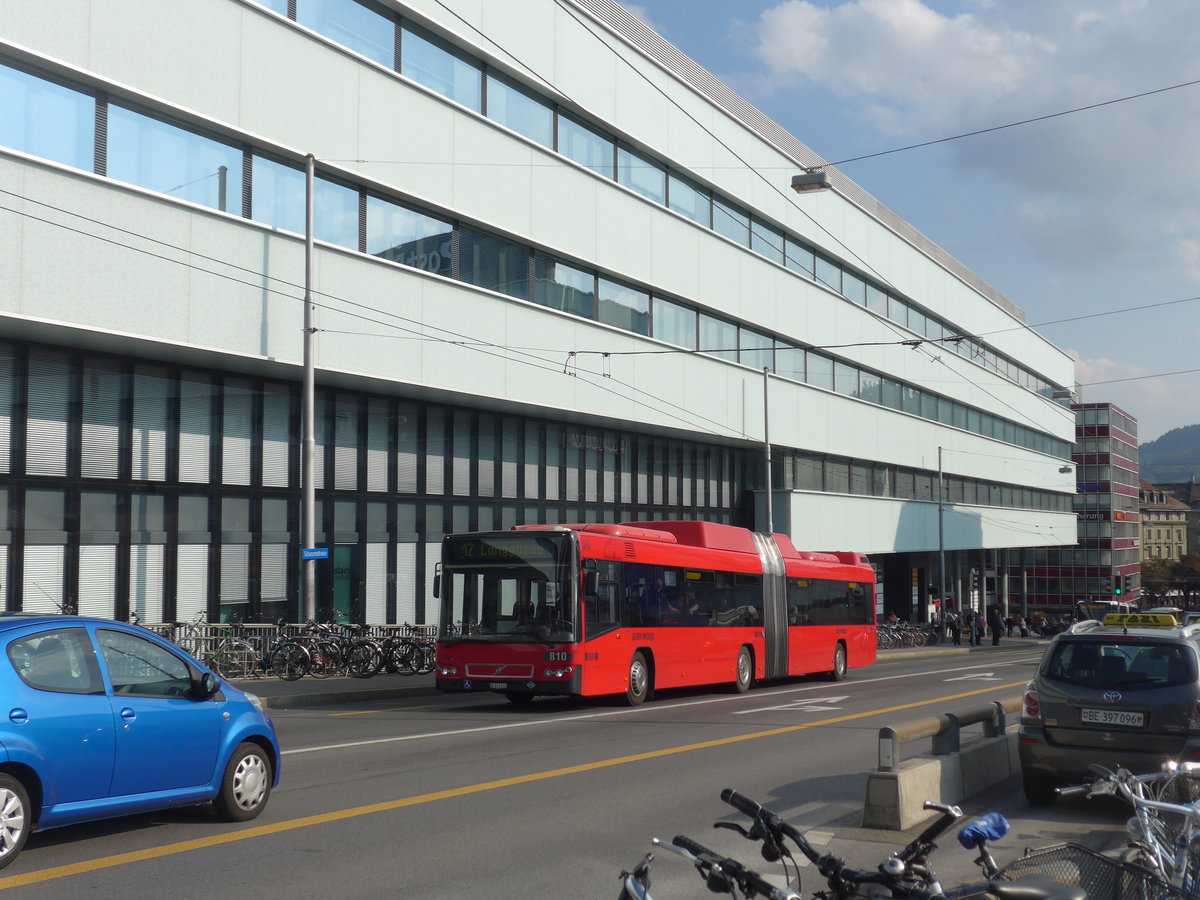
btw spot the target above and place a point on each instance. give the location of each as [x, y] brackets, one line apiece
[509, 587]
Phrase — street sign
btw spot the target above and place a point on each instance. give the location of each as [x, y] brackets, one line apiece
[314, 553]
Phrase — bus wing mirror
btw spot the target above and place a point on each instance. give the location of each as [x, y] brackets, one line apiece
[437, 581]
[591, 579]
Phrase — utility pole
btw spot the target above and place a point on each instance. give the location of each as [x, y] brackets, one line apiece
[767, 446]
[942, 536]
[308, 401]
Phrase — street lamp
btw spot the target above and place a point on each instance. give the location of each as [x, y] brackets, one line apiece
[812, 180]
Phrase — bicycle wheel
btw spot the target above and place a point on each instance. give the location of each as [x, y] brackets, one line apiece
[233, 659]
[326, 659]
[289, 661]
[427, 661]
[364, 659]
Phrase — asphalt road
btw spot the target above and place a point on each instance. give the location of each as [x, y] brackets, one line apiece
[461, 796]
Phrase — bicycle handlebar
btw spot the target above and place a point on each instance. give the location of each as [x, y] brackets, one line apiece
[839, 876]
[720, 870]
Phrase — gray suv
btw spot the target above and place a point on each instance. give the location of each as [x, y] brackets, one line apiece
[1124, 692]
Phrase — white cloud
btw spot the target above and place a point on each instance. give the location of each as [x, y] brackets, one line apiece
[1105, 181]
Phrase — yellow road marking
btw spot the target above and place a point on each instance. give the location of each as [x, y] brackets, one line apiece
[217, 840]
[368, 712]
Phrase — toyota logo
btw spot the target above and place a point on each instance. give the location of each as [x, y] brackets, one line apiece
[1112, 696]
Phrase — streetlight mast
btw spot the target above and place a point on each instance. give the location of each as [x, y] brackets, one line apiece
[308, 401]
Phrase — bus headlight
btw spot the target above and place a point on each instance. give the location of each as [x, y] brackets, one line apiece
[561, 672]
[447, 671]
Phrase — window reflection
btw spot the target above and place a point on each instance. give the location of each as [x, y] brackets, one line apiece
[829, 274]
[430, 61]
[493, 263]
[520, 111]
[690, 200]
[169, 160]
[766, 241]
[278, 200]
[674, 323]
[560, 286]
[820, 371]
[645, 177]
[799, 258]
[789, 362]
[587, 147]
[755, 349]
[718, 338]
[46, 119]
[361, 26]
[731, 222]
[624, 306]
[408, 237]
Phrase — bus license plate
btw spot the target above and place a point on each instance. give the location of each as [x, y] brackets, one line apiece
[498, 685]
[1113, 717]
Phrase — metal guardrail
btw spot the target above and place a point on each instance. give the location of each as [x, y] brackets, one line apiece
[945, 729]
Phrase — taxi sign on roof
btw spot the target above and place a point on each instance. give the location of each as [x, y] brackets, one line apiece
[1143, 620]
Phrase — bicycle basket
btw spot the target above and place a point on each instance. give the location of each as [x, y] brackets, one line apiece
[1103, 877]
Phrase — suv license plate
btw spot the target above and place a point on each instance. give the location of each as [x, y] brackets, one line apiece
[1113, 717]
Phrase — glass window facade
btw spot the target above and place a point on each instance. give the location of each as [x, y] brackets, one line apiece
[164, 158]
[46, 119]
[586, 146]
[518, 109]
[430, 61]
[624, 306]
[361, 26]
[565, 287]
[646, 177]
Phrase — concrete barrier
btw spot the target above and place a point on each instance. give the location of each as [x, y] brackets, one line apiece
[897, 789]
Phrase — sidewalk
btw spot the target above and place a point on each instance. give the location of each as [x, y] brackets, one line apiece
[310, 692]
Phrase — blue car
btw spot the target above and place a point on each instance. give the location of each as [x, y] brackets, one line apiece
[105, 719]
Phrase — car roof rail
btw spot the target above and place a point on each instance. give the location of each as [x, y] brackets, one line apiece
[1084, 626]
[1189, 631]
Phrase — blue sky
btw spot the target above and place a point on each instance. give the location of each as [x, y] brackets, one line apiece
[1079, 215]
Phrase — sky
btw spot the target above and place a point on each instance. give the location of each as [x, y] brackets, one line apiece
[1092, 217]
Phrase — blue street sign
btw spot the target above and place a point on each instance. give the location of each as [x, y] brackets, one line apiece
[314, 553]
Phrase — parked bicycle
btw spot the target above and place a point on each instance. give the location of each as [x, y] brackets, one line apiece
[1164, 832]
[906, 874]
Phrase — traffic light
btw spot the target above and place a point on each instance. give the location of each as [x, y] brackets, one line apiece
[1118, 584]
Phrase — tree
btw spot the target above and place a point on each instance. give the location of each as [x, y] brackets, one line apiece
[1186, 577]
[1157, 578]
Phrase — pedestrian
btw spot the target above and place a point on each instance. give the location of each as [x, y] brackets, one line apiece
[995, 625]
[1010, 625]
[1022, 627]
[955, 622]
[980, 625]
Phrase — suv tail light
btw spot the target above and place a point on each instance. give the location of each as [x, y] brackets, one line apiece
[1030, 707]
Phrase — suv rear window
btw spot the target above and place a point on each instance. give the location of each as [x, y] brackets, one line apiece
[1103, 664]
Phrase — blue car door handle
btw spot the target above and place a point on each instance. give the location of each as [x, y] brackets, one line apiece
[18, 716]
[128, 714]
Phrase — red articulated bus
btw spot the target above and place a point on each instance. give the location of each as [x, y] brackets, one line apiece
[585, 610]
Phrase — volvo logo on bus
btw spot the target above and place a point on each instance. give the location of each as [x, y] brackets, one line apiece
[500, 671]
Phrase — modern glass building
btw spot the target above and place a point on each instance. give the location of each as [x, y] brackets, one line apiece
[558, 276]
[1106, 559]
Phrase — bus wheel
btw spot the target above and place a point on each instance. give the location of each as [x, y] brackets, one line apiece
[838, 672]
[745, 671]
[639, 680]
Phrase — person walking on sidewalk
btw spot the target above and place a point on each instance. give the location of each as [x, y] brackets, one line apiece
[955, 623]
[980, 625]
